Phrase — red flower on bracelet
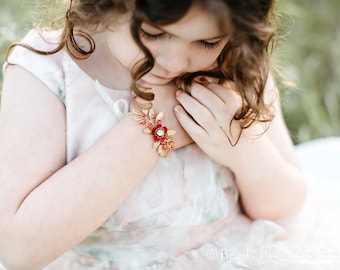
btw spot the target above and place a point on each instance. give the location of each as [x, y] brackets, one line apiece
[159, 133]
[162, 136]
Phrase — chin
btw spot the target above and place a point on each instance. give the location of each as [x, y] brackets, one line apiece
[155, 81]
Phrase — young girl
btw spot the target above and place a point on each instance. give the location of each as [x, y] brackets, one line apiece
[147, 135]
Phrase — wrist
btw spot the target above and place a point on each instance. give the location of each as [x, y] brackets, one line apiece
[152, 124]
[252, 147]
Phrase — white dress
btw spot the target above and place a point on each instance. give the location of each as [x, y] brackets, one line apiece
[185, 214]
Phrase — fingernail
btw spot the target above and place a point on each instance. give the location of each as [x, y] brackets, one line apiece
[178, 92]
[177, 108]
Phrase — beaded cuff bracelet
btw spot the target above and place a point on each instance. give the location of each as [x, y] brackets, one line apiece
[162, 136]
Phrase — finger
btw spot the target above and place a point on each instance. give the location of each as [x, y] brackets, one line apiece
[228, 94]
[200, 124]
[222, 102]
[195, 131]
[198, 79]
[198, 113]
[205, 96]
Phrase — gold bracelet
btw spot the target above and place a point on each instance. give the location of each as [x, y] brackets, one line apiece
[162, 136]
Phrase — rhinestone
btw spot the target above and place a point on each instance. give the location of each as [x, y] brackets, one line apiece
[160, 132]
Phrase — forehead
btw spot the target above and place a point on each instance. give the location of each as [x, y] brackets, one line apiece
[197, 24]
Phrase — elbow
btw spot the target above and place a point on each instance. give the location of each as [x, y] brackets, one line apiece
[285, 205]
[296, 199]
[15, 255]
[12, 265]
[9, 253]
[20, 249]
[292, 205]
[17, 247]
[12, 261]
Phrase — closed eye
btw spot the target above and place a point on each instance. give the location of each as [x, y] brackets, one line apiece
[149, 36]
[202, 43]
[210, 45]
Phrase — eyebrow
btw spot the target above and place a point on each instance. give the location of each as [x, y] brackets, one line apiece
[161, 29]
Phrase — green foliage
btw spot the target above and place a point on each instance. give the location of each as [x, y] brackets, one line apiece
[308, 53]
[15, 18]
[310, 56]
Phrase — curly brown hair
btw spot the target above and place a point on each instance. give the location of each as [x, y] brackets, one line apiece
[245, 59]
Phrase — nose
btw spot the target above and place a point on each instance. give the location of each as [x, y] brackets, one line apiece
[173, 61]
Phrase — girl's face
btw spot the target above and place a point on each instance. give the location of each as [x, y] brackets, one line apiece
[191, 44]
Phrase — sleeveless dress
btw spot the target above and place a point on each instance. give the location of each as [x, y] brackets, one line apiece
[185, 214]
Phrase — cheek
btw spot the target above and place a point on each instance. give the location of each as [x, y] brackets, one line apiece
[126, 52]
[205, 61]
[128, 57]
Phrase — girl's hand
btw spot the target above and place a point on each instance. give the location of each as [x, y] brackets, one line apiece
[206, 115]
[268, 178]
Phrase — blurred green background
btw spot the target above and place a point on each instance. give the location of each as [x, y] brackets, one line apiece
[308, 53]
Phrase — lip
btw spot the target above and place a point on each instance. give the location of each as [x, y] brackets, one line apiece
[162, 78]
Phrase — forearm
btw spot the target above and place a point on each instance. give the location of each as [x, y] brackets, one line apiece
[78, 198]
[270, 186]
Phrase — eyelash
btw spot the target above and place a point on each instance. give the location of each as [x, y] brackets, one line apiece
[210, 46]
[203, 44]
[150, 36]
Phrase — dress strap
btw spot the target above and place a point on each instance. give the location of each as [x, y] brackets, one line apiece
[120, 107]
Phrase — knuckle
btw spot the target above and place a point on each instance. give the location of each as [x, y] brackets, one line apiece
[197, 90]
[227, 110]
[229, 85]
